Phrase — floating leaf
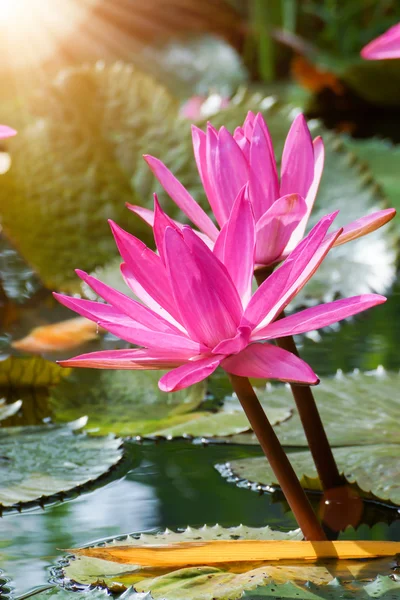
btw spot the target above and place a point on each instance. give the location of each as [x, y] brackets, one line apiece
[123, 402]
[39, 462]
[58, 337]
[383, 160]
[372, 397]
[230, 420]
[375, 469]
[56, 593]
[224, 583]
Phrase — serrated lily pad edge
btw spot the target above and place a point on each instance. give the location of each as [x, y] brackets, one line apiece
[47, 501]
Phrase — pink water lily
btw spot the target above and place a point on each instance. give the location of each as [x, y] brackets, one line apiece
[281, 206]
[386, 46]
[196, 311]
[6, 132]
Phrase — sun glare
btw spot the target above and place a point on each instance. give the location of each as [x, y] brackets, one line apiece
[31, 30]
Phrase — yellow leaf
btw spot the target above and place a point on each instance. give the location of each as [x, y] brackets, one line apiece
[218, 552]
[65, 335]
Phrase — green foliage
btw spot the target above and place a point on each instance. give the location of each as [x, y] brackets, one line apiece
[371, 398]
[124, 402]
[40, 462]
[374, 469]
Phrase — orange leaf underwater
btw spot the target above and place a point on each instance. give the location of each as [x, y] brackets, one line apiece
[218, 552]
[56, 337]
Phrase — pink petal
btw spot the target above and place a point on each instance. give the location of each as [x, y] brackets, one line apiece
[181, 197]
[318, 316]
[125, 359]
[138, 334]
[188, 374]
[237, 246]
[242, 142]
[95, 311]
[161, 222]
[386, 46]
[145, 214]
[231, 171]
[285, 282]
[144, 264]
[297, 170]
[248, 125]
[266, 361]
[148, 217]
[141, 293]
[319, 158]
[264, 184]
[133, 309]
[208, 302]
[236, 344]
[365, 225]
[276, 226]
[6, 132]
[204, 145]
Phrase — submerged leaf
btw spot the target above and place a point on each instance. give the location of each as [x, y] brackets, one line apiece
[39, 462]
[375, 469]
[58, 337]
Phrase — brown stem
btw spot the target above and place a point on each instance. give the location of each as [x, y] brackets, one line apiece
[321, 451]
[278, 460]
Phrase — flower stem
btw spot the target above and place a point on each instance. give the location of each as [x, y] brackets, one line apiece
[278, 460]
[321, 451]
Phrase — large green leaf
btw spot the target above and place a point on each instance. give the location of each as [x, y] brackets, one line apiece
[359, 408]
[383, 160]
[229, 420]
[40, 462]
[72, 169]
[375, 469]
[123, 402]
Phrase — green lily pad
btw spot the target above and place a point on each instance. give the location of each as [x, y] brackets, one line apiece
[56, 593]
[375, 469]
[39, 462]
[123, 402]
[305, 581]
[382, 159]
[230, 420]
[356, 409]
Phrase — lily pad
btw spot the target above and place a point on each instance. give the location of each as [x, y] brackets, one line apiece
[227, 582]
[87, 570]
[56, 593]
[356, 409]
[40, 462]
[123, 402]
[383, 160]
[230, 420]
[375, 469]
